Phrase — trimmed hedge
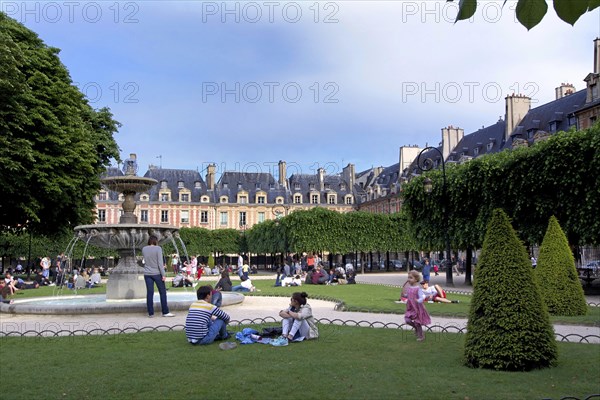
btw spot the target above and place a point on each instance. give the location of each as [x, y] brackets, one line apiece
[509, 325]
[557, 276]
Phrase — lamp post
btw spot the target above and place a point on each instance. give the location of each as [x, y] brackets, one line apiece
[426, 165]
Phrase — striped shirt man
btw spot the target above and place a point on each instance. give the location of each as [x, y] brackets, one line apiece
[199, 317]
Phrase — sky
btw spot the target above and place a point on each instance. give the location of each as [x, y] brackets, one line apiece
[318, 84]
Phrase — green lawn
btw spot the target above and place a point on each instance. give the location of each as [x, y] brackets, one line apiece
[344, 363]
[361, 297]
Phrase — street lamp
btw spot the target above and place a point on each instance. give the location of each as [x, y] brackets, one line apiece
[426, 165]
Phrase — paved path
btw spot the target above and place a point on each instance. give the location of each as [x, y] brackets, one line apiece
[253, 308]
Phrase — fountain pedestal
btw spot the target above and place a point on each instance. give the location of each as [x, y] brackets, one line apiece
[126, 281]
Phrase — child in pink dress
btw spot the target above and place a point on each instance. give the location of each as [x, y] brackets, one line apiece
[416, 315]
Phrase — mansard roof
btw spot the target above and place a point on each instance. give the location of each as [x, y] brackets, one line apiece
[307, 183]
[540, 118]
[172, 177]
[388, 176]
[489, 139]
[231, 183]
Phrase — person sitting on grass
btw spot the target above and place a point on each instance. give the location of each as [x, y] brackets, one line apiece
[245, 286]
[298, 322]
[205, 322]
[435, 293]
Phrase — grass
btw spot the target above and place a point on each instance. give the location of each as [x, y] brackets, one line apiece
[345, 362]
[361, 297]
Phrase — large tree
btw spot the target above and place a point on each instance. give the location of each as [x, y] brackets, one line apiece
[53, 144]
[531, 12]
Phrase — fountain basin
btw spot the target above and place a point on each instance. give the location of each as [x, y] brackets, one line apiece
[98, 304]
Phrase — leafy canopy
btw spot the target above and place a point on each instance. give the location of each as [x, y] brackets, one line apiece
[53, 145]
[531, 12]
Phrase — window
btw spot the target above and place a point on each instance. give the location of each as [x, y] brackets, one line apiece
[243, 199]
[489, 146]
[163, 184]
[197, 185]
[180, 184]
[331, 199]
[223, 218]
[102, 196]
[342, 186]
[184, 197]
[101, 215]
[553, 126]
[476, 151]
[348, 199]
[204, 217]
[204, 199]
[164, 216]
[314, 199]
[311, 186]
[297, 199]
[144, 216]
[164, 197]
[185, 217]
[279, 200]
[242, 219]
[261, 200]
[144, 197]
[261, 217]
[296, 186]
[594, 89]
[223, 199]
[258, 185]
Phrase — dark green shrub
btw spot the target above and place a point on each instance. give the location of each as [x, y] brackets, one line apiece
[509, 326]
[557, 276]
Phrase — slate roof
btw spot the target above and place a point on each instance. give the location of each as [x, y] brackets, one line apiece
[172, 177]
[540, 118]
[487, 140]
[252, 182]
[307, 184]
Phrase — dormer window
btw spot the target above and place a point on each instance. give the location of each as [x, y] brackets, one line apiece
[184, 197]
[343, 186]
[261, 200]
[257, 185]
[144, 197]
[271, 186]
[204, 199]
[476, 151]
[163, 184]
[239, 185]
[311, 186]
[180, 184]
[197, 185]
[297, 199]
[279, 200]
[164, 197]
[552, 127]
[223, 199]
[102, 196]
[296, 186]
[225, 185]
[243, 199]
[327, 187]
[490, 146]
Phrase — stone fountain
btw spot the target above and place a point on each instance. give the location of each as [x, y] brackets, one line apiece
[126, 281]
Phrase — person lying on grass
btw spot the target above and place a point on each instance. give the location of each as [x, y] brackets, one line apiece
[435, 293]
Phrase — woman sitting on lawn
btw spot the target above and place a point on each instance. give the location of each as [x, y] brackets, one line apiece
[435, 293]
[298, 322]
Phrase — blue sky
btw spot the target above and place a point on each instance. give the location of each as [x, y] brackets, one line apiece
[317, 84]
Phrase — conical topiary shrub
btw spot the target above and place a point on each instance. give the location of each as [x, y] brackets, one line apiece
[557, 276]
[509, 326]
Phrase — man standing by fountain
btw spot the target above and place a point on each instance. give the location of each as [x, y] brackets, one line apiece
[154, 272]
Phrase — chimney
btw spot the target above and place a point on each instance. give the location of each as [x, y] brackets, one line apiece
[349, 175]
[321, 176]
[563, 90]
[210, 176]
[450, 138]
[517, 106]
[282, 174]
[597, 56]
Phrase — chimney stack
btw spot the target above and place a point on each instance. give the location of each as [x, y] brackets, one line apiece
[321, 176]
[517, 106]
[210, 176]
[597, 56]
[349, 175]
[563, 90]
[450, 138]
[282, 173]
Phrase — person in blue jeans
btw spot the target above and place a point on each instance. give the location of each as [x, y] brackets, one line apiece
[205, 322]
[426, 270]
[154, 273]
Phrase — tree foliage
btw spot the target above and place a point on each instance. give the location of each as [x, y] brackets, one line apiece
[557, 276]
[558, 176]
[509, 326]
[531, 12]
[53, 144]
